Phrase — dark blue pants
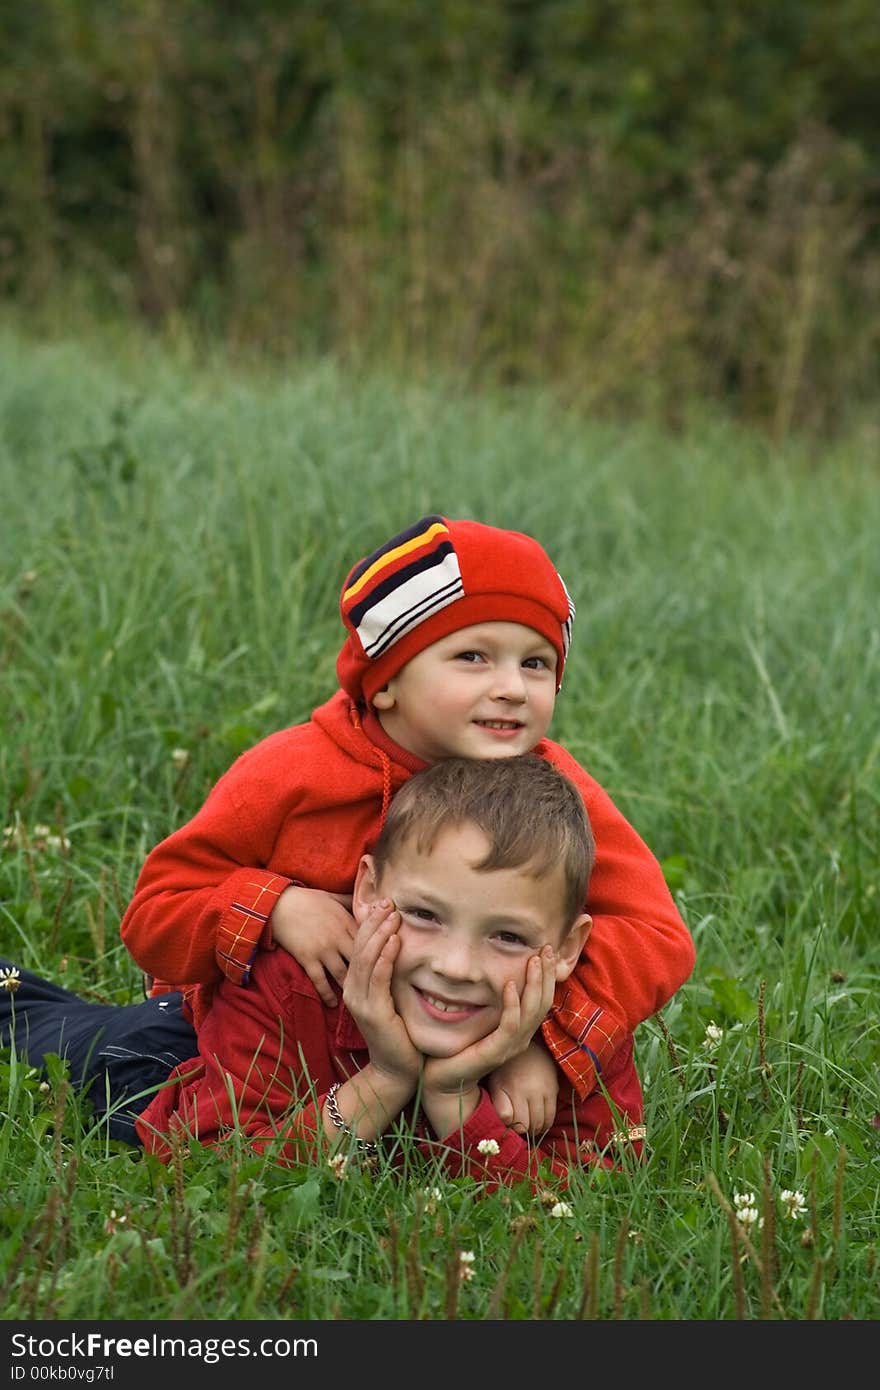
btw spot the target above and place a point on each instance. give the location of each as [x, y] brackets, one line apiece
[117, 1053]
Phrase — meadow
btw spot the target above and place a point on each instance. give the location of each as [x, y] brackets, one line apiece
[174, 531]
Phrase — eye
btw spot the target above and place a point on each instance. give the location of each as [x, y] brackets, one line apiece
[469, 656]
[510, 938]
[422, 915]
[538, 663]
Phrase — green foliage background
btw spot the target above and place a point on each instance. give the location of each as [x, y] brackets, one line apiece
[638, 203]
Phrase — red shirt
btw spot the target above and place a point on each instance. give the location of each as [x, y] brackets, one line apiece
[268, 1055]
[304, 804]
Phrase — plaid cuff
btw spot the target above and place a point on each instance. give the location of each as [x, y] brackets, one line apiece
[244, 926]
[580, 1035]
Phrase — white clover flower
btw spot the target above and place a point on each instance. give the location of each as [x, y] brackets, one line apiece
[714, 1034]
[41, 837]
[466, 1260]
[561, 1209]
[488, 1146]
[747, 1210]
[338, 1163]
[45, 1088]
[433, 1197]
[794, 1202]
[10, 978]
[180, 757]
[113, 1220]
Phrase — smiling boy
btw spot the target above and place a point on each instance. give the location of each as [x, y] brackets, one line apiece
[470, 923]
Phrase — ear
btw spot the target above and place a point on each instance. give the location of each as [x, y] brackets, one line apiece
[572, 945]
[366, 888]
[383, 699]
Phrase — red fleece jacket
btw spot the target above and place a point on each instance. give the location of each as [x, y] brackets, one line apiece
[269, 1054]
[305, 803]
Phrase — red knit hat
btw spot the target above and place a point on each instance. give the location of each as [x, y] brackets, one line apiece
[436, 577]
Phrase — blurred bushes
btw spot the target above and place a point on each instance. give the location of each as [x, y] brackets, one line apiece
[643, 203]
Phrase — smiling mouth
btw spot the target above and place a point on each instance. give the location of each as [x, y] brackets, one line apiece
[459, 1009]
[442, 1005]
[500, 723]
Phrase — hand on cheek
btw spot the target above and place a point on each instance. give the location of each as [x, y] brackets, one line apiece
[367, 993]
[538, 991]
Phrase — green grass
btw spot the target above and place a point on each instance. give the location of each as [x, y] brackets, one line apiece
[173, 536]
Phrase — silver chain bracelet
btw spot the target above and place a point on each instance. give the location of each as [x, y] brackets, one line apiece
[365, 1145]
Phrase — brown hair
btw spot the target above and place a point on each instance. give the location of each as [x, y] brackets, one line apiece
[532, 815]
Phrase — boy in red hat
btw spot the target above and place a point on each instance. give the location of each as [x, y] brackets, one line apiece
[457, 636]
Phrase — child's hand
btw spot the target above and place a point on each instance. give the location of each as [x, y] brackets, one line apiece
[524, 1090]
[367, 994]
[520, 1017]
[318, 930]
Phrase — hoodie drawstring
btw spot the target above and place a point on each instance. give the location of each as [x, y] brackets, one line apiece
[386, 767]
[386, 786]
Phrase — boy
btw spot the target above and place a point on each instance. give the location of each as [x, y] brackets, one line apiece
[470, 922]
[457, 636]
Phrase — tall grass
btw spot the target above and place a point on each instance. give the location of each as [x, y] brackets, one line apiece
[174, 534]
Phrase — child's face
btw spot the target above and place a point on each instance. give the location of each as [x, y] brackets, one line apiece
[463, 934]
[485, 691]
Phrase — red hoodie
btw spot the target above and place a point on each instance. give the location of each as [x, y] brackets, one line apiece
[304, 804]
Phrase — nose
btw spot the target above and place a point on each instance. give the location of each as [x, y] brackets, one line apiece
[456, 960]
[509, 683]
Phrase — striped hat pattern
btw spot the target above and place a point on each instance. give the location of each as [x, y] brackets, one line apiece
[438, 576]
